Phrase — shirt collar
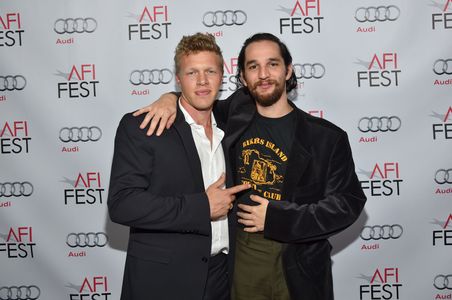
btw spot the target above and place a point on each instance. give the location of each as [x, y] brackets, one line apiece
[190, 120]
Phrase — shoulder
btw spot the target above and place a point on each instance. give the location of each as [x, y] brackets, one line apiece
[129, 120]
[130, 126]
[241, 97]
[318, 131]
[320, 123]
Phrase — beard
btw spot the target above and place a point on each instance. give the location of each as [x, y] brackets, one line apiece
[267, 99]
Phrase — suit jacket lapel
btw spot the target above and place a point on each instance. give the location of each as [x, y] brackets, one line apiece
[239, 119]
[299, 157]
[186, 136]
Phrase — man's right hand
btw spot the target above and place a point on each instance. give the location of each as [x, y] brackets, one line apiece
[220, 199]
[161, 112]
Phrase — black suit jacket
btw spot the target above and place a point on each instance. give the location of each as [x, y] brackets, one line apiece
[321, 194]
[156, 188]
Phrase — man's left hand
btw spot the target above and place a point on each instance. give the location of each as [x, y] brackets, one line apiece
[253, 217]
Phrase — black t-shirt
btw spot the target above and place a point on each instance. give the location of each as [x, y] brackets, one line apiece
[262, 154]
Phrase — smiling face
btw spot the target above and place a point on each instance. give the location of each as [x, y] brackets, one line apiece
[200, 76]
[265, 73]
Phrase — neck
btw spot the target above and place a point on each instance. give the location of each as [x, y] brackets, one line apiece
[279, 109]
[201, 117]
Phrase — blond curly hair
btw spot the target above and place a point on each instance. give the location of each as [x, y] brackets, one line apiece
[192, 44]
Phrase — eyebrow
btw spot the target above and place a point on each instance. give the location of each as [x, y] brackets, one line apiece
[272, 59]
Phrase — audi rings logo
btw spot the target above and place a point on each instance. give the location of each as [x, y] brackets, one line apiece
[80, 134]
[443, 282]
[22, 292]
[77, 25]
[443, 66]
[224, 18]
[154, 76]
[16, 189]
[383, 124]
[377, 13]
[381, 232]
[11, 83]
[443, 176]
[308, 71]
[90, 239]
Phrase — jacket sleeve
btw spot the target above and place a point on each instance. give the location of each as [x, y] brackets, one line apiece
[130, 200]
[342, 203]
[222, 108]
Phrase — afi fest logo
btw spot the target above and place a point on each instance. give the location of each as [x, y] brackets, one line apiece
[304, 18]
[319, 113]
[95, 287]
[86, 189]
[153, 23]
[10, 30]
[80, 82]
[443, 237]
[442, 20]
[14, 137]
[383, 284]
[18, 243]
[384, 179]
[383, 70]
[442, 130]
[229, 83]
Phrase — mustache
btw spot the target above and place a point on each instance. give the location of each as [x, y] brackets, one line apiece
[260, 82]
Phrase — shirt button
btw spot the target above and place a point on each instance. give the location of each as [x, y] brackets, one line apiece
[204, 259]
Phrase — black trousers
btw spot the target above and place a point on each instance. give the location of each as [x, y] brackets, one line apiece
[217, 286]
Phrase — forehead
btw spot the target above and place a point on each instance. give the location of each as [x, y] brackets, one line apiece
[262, 50]
[200, 59]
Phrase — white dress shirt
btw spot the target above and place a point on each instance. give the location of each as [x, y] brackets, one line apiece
[212, 165]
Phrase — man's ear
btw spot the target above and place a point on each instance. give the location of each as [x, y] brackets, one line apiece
[243, 79]
[289, 71]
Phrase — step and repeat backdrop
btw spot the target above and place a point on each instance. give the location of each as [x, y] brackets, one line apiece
[380, 69]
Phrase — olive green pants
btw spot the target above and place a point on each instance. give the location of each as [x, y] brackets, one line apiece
[258, 273]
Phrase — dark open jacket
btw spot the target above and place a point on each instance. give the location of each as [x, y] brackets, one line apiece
[321, 194]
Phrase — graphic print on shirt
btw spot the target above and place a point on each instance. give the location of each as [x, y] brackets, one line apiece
[262, 164]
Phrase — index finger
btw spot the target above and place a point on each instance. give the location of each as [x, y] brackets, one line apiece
[141, 111]
[238, 188]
